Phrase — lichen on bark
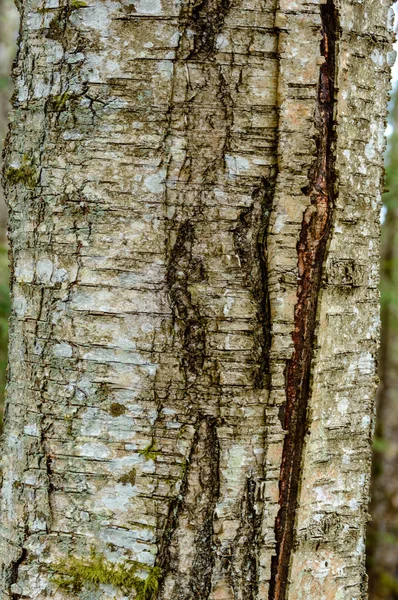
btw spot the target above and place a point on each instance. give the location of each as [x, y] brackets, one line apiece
[159, 257]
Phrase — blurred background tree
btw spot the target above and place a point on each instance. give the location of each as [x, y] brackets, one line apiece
[8, 34]
[383, 530]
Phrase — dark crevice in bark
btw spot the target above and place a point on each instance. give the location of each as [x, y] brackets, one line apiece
[14, 572]
[311, 250]
[202, 568]
[244, 571]
[196, 503]
[57, 27]
[184, 269]
[206, 19]
[226, 99]
[164, 558]
[250, 238]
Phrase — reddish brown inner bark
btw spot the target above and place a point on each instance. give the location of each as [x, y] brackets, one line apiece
[311, 250]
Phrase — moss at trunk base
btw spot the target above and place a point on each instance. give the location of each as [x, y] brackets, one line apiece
[72, 574]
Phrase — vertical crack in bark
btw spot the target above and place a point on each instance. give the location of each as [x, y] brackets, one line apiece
[14, 569]
[244, 575]
[208, 463]
[194, 508]
[250, 239]
[311, 250]
[206, 19]
[182, 270]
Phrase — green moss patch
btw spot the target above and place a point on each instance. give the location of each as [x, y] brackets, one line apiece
[150, 452]
[74, 573]
[128, 477]
[55, 28]
[25, 174]
[116, 409]
[58, 102]
[76, 4]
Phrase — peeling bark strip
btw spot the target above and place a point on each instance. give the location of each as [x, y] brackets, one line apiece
[311, 250]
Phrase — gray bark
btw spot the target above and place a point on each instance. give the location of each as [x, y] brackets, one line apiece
[194, 194]
[383, 530]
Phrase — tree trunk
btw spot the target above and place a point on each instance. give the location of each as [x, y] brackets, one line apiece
[383, 532]
[194, 195]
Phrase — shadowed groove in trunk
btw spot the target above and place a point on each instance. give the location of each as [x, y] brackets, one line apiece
[244, 563]
[197, 508]
[182, 269]
[250, 239]
[311, 251]
[207, 19]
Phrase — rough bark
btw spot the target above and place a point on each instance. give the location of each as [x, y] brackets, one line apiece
[383, 530]
[194, 194]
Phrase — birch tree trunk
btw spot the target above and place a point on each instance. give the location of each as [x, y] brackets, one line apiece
[194, 196]
[383, 532]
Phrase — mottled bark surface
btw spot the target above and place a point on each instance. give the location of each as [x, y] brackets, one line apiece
[383, 530]
[194, 193]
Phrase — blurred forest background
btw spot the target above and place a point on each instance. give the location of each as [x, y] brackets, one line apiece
[8, 36]
[383, 529]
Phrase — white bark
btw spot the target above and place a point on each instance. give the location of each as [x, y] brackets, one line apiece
[194, 194]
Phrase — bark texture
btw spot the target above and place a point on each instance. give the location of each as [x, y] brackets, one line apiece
[383, 530]
[194, 194]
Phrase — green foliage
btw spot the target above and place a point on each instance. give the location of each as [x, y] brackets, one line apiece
[388, 585]
[4, 82]
[380, 444]
[74, 573]
[150, 452]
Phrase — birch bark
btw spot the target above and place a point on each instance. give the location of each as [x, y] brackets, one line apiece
[194, 196]
[382, 534]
